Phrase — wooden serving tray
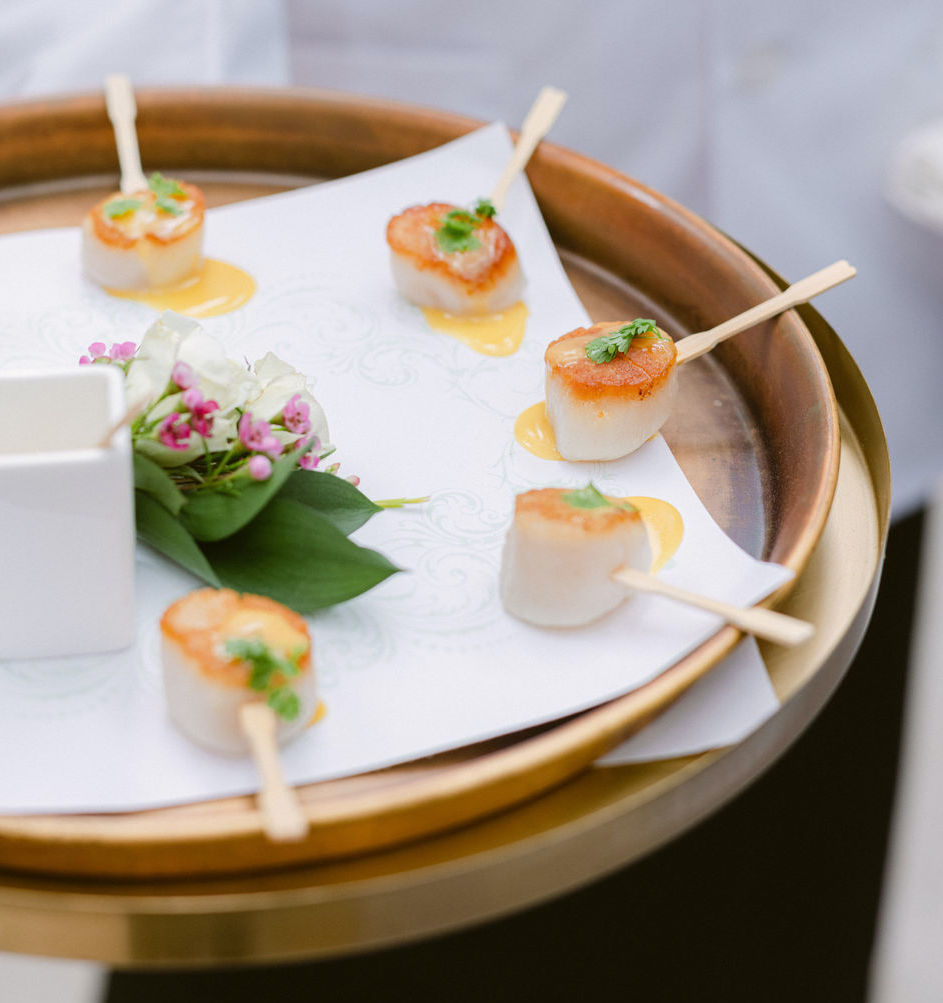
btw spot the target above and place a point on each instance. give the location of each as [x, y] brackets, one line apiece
[757, 438]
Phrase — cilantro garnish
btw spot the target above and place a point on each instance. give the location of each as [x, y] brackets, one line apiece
[164, 187]
[284, 702]
[457, 232]
[604, 349]
[167, 205]
[121, 207]
[485, 209]
[592, 497]
[266, 667]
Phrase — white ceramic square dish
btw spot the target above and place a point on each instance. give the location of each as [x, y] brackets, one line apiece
[67, 511]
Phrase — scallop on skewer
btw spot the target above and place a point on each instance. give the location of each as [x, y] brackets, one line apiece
[222, 649]
[145, 242]
[455, 260]
[561, 549]
[238, 678]
[611, 387]
[573, 555]
[461, 261]
[145, 239]
[149, 234]
[604, 411]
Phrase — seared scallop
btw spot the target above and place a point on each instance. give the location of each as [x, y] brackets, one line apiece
[561, 550]
[147, 239]
[453, 260]
[605, 410]
[222, 649]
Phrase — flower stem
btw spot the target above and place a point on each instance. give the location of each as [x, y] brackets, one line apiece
[400, 502]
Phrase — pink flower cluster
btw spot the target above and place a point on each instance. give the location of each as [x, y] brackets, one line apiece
[195, 415]
[297, 416]
[119, 352]
[174, 430]
[201, 411]
[312, 458]
[183, 375]
[257, 438]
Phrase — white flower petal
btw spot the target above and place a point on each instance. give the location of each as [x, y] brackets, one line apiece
[270, 367]
[280, 382]
[149, 372]
[275, 395]
[264, 390]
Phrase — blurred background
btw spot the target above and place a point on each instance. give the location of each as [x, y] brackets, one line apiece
[807, 132]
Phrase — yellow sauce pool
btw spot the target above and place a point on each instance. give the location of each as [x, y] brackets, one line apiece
[664, 526]
[534, 432]
[217, 288]
[490, 334]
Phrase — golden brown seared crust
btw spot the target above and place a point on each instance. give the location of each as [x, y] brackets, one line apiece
[109, 233]
[412, 234]
[547, 504]
[193, 623]
[633, 375]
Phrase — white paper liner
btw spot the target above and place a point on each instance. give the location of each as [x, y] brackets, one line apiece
[428, 661]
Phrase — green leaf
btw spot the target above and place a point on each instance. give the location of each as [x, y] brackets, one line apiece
[604, 349]
[333, 497]
[456, 234]
[121, 207]
[266, 667]
[212, 514]
[163, 187]
[156, 526]
[152, 478]
[592, 497]
[485, 209]
[588, 497]
[168, 206]
[298, 557]
[284, 701]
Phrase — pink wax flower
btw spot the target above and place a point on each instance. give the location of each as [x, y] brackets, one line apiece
[122, 351]
[174, 431]
[183, 375]
[312, 439]
[354, 479]
[96, 351]
[295, 415]
[311, 459]
[260, 467]
[257, 436]
[201, 411]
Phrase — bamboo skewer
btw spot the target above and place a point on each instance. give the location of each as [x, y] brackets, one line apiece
[282, 816]
[536, 125]
[126, 419]
[802, 291]
[764, 623]
[122, 110]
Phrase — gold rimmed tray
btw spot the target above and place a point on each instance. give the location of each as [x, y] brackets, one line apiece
[758, 436]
